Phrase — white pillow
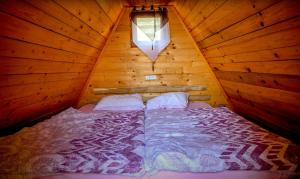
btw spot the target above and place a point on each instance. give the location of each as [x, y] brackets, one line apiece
[121, 102]
[168, 101]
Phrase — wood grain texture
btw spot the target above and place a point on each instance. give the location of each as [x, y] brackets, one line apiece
[147, 3]
[180, 64]
[149, 89]
[253, 48]
[47, 52]
[191, 98]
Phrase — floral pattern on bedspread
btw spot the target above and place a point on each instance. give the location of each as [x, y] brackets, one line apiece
[241, 144]
[74, 142]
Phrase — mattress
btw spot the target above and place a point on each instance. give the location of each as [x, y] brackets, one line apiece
[205, 139]
[75, 142]
[103, 144]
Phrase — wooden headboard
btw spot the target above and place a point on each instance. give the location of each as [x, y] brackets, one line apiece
[156, 89]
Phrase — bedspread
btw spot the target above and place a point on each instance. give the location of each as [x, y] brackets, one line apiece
[193, 139]
[75, 142]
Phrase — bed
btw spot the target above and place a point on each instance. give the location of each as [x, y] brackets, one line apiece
[75, 141]
[122, 145]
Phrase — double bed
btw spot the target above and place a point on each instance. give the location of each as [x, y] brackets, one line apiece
[194, 142]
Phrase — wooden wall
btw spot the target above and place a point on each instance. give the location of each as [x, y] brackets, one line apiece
[147, 2]
[253, 48]
[47, 50]
[181, 63]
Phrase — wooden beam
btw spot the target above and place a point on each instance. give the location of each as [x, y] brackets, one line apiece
[199, 97]
[150, 89]
[191, 98]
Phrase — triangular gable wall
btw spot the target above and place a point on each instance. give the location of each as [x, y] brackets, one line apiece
[124, 66]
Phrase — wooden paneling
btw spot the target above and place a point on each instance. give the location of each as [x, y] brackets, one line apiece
[180, 64]
[47, 50]
[149, 89]
[253, 48]
[191, 97]
[147, 3]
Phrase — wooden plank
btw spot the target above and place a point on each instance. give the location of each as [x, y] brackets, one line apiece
[209, 9]
[111, 7]
[191, 98]
[22, 79]
[134, 84]
[195, 13]
[161, 59]
[14, 92]
[228, 14]
[15, 28]
[9, 106]
[132, 52]
[265, 116]
[284, 82]
[288, 67]
[21, 49]
[276, 36]
[164, 77]
[9, 65]
[81, 10]
[55, 10]
[150, 89]
[171, 81]
[276, 13]
[284, 108]
[199, 97]
[29, 13]
[147, 3]
[281, 96]
[31, 112]
[187, 6]
[106, 65]
[284, 53]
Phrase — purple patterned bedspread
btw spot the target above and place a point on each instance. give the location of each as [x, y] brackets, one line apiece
[74, 142]
[243, 145]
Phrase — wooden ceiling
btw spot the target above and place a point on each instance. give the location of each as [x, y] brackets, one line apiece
[148, 2]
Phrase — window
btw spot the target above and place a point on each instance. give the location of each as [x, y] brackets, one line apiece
[148, 28]
[150, 31]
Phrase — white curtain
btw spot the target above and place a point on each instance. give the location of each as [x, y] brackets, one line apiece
[150, 31]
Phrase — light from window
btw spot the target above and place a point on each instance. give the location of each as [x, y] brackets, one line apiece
[147, 28]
